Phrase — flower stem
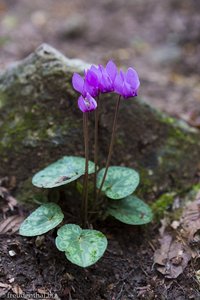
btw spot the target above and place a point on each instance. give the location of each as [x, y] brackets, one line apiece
[85, 185]
[96, 148]
[111, 144]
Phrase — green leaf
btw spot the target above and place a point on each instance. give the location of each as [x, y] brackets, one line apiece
[63, 171]
[130, 210]
[83, 247]
[119, 183]
[43, 219]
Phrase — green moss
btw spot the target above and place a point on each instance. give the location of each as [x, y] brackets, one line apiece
[179, 130]
[196, 188]
[2, 100]
[147, 183]
[119, 141]
[25, 126]
[191, 193]
[162, 204]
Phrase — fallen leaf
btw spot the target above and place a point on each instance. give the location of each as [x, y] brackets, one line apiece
[4, 288]
[11, 202]
[4, 285]
[192, 118]
[17, 290]
[177, 246]
[12, 182]
[190, 222]
[11, 224]
[175, 224]
[42, 291]
[172, 258]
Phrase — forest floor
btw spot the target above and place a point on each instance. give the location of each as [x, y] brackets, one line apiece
[161, 40]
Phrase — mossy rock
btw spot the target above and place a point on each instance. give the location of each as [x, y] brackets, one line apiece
[40, 122]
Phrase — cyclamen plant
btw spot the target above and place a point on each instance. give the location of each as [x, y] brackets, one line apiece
[113, 185]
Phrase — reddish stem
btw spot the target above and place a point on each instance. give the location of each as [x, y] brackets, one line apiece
[85, 184]
[111, 145]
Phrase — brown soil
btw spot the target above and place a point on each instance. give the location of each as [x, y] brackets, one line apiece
[126, 270]
[154, 38]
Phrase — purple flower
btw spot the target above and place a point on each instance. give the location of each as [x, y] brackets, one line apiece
[87, 103]
[87, 85]
[106, 77]
[127, 84]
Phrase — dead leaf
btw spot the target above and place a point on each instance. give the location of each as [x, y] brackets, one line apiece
[192, 118]
[190, 223]
[175, 224]
[11, 202]
[12, 182]
[4, 288]
[177, 246]
[17, 290]
[11, 224]
[4, 285]
[172, 258]
[42, 291]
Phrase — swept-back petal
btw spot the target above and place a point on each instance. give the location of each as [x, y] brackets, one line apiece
[118, 84]
[122, 75]
[93, 91]
[96, 71]
[78, 83]
[132, 78]
[111, 69]
[127, 91]
[91, 78]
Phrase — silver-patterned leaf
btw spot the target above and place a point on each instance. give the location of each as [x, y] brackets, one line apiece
[63, 171]
[43, 219]
[83, 247]
[130, 210]
[120, 182]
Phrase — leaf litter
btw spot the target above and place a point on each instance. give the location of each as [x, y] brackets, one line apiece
[8, 203]
[179, 242]
[11, 224]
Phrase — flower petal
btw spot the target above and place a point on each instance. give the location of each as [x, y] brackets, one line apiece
[81, 104]
[118, 84]
[92, 101]
[87, 104]
[95, 70]
[93, 91]
[111, 69]
[127, 91]
[78, 83]
[91, 78]
[132, 78]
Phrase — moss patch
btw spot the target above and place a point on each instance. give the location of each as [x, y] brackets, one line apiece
[162, 204]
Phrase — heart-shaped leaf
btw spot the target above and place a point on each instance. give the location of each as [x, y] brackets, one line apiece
[130, 210]
[119, 183]
[43, 219]
[63, 171]
[83, 247]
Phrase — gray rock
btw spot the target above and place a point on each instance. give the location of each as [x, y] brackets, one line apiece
[40, 122]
